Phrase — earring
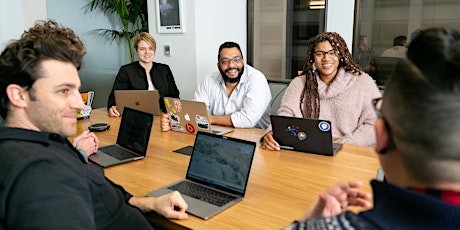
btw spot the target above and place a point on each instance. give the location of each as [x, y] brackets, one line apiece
[314, 66]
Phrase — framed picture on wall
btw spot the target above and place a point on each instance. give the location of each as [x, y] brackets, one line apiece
[169, 15]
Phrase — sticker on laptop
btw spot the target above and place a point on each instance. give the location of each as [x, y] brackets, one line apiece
[190, 128]
[294, 131]
[177, 105]
[174, 118]
[202, 122]
[302, 136]
[324, 126]
[168, 105]
[177, 128]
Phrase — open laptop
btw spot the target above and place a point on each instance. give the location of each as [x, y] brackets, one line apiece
[190, 117]
[304, 135]
[219, 167]
[132, 140]
[143, 100]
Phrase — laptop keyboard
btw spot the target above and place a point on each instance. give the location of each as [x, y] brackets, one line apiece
[202, 193]
[117, 152]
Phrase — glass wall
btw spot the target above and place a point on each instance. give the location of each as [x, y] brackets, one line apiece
[382, 21]
[278, 31]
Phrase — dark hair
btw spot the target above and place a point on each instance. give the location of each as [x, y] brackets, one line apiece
[311, 96]
[21, 60]
[229, 45]
[422, 106]
[399, 40]
[361, 37]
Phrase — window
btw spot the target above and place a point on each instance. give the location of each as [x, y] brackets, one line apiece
[278, 32]
[382, 21]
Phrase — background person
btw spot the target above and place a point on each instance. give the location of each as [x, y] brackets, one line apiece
[365, 55]
[332, 88]
[144, 74]
[45, 182]
[399, 48]
[417, 145]
[237, 95]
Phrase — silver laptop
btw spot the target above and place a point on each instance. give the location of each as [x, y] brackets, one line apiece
[217, 175]
[132, 140]
[304, 135]
[143, 100]
[190, 117]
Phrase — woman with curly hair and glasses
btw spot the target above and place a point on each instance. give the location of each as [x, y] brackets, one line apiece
[332, 87]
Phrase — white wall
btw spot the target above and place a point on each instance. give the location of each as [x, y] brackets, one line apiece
[18, 15]
[194, 53]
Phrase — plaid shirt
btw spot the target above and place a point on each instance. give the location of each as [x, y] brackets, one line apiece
[448, 196]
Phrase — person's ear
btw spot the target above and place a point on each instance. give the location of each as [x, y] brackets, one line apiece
[382, 135]
[17, 95]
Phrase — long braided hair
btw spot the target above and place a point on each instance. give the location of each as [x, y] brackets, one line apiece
[311, 107]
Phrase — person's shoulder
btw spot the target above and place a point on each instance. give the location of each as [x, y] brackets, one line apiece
[301, 78]
[160, 65]
[131, 65]
[253, 71]
[254, 74]
[360, 78]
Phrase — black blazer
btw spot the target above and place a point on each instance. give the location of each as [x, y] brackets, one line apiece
[133, 76]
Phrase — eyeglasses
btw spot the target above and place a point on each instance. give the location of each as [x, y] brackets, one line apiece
[226, 61]
[377, 103]
[321, 54]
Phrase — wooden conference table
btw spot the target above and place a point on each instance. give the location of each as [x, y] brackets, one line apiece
[281, 186]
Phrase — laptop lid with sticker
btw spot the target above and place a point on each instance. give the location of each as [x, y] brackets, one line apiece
[302, 134]
[187, 116]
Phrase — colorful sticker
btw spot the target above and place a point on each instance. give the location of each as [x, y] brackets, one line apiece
[168, 105]
[202, 122]
[174, 118]
[302, 136]
[324, 126]
[293, 130]
[177, 105]
[177, 128]
[190, 128]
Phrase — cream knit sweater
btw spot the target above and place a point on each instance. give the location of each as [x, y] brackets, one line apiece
[346, 102]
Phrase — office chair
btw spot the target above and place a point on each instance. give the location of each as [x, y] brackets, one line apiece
[384, 67]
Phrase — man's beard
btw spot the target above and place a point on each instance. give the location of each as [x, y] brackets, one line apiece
[231, 80]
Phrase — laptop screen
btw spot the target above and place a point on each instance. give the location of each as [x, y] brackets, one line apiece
[221, 161]
[135, 130]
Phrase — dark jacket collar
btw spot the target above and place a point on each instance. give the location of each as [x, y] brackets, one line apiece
[399, 207]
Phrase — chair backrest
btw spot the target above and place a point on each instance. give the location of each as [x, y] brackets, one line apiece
[384, 68]
[277, 91]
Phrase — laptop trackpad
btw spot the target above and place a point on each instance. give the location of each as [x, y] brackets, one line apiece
[100, 157]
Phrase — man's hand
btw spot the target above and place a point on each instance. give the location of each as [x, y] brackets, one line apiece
[165, 122]
[113, 112]
[87, 141]
[338, 198]
[269, 142]
[171, 205]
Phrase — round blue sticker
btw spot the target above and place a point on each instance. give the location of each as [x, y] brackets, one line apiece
[324, 126]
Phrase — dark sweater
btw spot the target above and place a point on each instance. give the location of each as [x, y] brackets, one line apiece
[394, 208]
[45, 184]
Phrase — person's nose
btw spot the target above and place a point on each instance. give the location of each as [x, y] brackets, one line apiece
[232, 63]
[77, 101]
